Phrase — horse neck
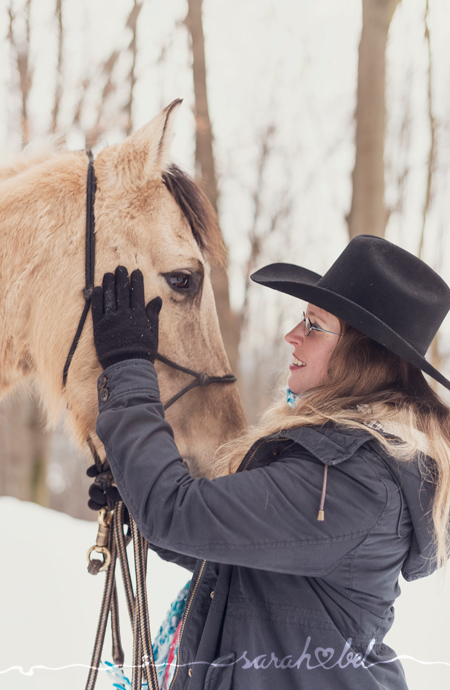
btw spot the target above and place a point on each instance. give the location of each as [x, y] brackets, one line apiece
[40, 200]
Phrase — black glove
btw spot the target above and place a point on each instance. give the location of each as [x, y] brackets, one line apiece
[100, 491]
[124, 328]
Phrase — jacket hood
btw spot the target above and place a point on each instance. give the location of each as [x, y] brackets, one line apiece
[333, 445]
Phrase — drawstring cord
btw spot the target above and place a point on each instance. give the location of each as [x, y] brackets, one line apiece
[291, 399]
[321, 513]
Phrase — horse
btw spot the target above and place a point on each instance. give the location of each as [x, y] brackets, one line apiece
[150, 215]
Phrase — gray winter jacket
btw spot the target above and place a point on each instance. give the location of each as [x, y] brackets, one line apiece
[278, 599]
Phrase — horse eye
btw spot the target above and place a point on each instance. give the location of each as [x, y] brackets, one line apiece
[186, 282]
[179, 281]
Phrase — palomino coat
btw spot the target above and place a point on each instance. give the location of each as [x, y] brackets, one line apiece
[278, 599]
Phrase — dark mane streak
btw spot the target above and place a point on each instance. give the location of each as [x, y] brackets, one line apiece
[198, 211]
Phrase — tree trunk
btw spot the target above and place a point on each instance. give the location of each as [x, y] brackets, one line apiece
[206, 174]
[59, 68]
[24, 446]
[368, 213]
[434, 351]
[21, 52]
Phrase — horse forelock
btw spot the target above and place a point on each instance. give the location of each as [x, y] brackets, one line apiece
[199, 213]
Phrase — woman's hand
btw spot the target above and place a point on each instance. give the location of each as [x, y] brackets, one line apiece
[124, 328]
[102, 491]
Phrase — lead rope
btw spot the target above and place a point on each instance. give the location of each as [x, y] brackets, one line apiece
[147, 660]
[137, 605]
[117, 649]
[104, 609]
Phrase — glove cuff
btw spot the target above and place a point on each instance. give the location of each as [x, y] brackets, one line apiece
[123, 356]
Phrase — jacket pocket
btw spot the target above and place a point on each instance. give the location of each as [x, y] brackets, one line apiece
[220, 673]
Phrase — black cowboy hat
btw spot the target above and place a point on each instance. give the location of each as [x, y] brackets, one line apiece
[378, 288]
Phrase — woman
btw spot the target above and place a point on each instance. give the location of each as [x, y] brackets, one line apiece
[297, 552]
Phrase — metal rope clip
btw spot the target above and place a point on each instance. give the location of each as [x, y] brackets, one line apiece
[101, 546]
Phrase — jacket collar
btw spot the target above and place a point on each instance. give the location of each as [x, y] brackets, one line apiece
[326, 443]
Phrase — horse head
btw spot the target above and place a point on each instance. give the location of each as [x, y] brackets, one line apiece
[149, 215]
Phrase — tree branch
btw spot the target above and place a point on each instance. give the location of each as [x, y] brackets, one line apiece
[432, 123]
[22, 55]
[59, 68]
[132, 24]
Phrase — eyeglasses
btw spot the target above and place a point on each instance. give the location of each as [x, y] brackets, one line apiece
[309, 327]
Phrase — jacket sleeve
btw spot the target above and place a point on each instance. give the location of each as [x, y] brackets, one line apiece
[173, 557]
[264, 518]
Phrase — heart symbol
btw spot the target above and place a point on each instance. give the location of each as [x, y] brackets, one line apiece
[323, 654]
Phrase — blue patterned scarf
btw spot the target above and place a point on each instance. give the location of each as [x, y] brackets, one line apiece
[291, 398]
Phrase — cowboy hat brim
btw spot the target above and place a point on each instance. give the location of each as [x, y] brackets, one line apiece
[302, 283]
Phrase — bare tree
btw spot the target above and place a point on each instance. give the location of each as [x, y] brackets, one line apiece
[432, 129]
[109, 88]
[259, 232]
[23, 451]
[21, 51]
[403, 168]
[206, 173]
[132, 24]
[368, 213]
[59, 68]
[435, 355]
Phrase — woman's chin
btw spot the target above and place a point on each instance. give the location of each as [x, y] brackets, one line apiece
[293, 385]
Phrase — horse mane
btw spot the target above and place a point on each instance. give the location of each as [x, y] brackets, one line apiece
[33, 154]
[198, 211]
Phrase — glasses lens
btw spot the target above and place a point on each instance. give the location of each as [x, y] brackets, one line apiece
[307, 324]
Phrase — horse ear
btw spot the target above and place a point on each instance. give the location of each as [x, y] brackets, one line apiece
[145, 154]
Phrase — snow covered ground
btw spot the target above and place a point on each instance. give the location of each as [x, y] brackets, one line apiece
[49, 607]
[49, 604]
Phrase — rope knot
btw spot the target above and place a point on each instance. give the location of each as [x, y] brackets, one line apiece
[87, 292]
[203, 379]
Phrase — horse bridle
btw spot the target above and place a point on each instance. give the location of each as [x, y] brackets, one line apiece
[201, 378]
[111, 541]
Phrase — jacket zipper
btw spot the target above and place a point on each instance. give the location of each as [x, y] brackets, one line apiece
[186, 613]
[242, 468]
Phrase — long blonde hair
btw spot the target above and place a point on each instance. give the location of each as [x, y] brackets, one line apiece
[366, 383]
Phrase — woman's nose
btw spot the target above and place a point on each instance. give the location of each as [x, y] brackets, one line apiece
[296, 335]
